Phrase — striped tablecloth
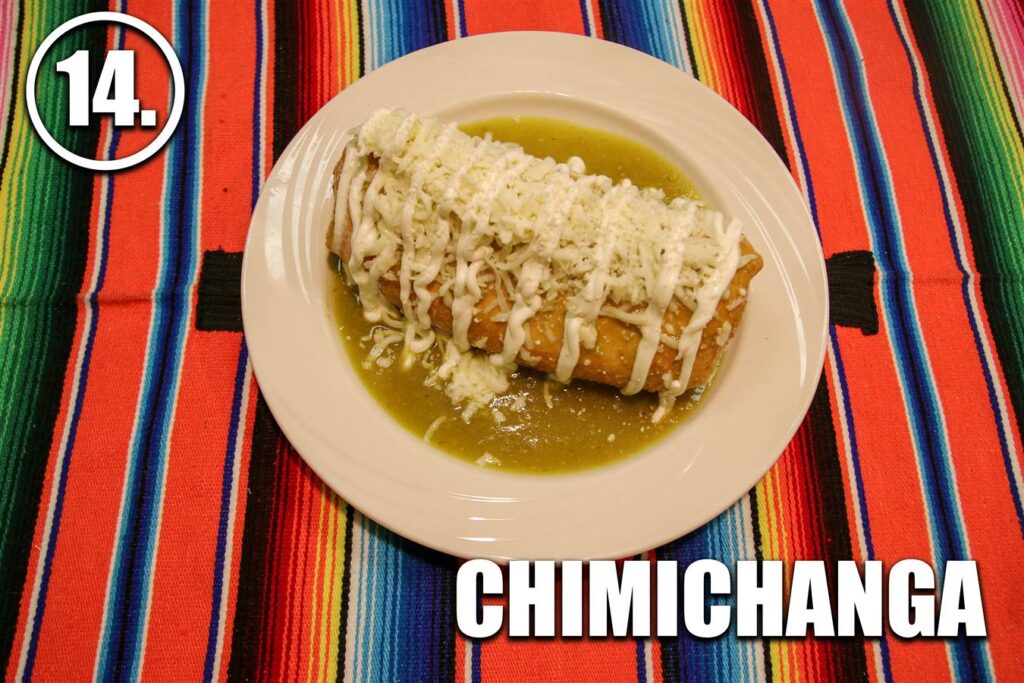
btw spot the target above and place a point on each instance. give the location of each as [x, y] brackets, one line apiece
[154, 524]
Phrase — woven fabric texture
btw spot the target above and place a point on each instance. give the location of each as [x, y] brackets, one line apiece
[155, 525]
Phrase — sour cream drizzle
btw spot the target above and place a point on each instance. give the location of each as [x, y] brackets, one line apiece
[534, 269]
[708, 297]
[583, 311]
[416, 153]
[664, 289]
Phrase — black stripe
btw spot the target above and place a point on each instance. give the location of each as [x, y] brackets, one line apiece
[827, 494]
[437, 21]
[252, 649]
[361, 37]
[755, 526]
[287, 76]
[691, 55]
[253, 618]
[346, 583]
[759, 81]
[612, 22]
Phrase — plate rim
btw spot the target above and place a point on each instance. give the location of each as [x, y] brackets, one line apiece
[354, 494]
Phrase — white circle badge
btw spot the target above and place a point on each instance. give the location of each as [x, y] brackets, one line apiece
[177, 103]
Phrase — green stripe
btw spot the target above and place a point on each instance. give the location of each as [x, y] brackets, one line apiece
[987, 156]
[48, 206]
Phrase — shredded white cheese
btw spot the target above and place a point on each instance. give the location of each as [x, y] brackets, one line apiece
[467, 214]
[471, 380]
[488, 460]
[433, 428]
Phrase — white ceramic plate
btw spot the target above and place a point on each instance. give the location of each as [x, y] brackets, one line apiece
[762, 392]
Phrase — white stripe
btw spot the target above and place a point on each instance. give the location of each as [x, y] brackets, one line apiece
[370, 56]
[851, 469]
[457, 14]
[144, 622]
[225, 578]
[355, 588]
[900, 248]
[851, 476]
[974, 309]
[262, 157]
[588, 10]
[467, 665]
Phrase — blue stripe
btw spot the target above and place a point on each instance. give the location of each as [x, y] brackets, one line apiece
[641, 660]
[131, 574]
[364, 598]
[240, 371]
[225, 513]
[257, 94]
[835, 349]
[948, 536]
[588, 30]
[462, 18]
[965, 275]
[632, 25]
[695, 657]
[476, 673]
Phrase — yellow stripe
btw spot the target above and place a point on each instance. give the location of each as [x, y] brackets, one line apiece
[344, 44]
[984, 53]
[327, 585]
[355, 41]
[696, 40]
[19, 159]
[342, 512]
[317, 595]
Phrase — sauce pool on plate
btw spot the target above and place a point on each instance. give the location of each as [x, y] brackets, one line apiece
[538, 426]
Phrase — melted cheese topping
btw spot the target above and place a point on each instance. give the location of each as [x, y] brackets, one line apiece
[467, 214]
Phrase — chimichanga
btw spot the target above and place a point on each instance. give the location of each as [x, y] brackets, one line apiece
[535, 262]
